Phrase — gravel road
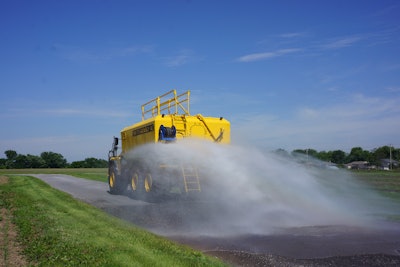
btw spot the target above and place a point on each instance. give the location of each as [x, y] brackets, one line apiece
[187, 223]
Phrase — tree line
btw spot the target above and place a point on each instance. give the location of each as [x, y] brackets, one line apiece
[48, 159]
[374, 157]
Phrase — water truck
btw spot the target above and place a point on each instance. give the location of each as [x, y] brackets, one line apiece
[166, 120]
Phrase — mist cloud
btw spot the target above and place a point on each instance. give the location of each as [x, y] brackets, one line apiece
[249, 191]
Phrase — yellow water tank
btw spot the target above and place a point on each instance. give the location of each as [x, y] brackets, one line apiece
[169, 120]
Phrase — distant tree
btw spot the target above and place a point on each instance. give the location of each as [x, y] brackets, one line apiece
[396, 154]
[77, 164]
[28, 161]
[281, 152]
[3, 163]
[11, 154]
[96, 163]
[298, 151]
[33, 161]
[11, 157]
[384, 153]
[90, 163]
[358, 154]
[338, 157]
[324, 156]
[20, 162]
[380, 153]
[308, 151]
[53, 160]
[46, 160]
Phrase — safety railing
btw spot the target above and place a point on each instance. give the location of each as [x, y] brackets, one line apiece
[168, 103]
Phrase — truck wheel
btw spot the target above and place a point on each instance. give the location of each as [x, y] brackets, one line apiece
[148, 183]
[134, 181]
[150, 193]
[115, 182]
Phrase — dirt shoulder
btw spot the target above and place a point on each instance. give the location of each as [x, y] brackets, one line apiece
[10, 250]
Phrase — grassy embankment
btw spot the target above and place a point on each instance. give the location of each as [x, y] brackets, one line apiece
[386, 183]
[56, 230]
[97, 174]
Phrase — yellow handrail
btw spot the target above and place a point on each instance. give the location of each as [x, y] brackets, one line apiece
[166, 102]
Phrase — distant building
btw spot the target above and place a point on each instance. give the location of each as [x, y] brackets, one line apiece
[385, 164]
[358, 165]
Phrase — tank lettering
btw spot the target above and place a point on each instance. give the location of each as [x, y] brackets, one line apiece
[143, 130]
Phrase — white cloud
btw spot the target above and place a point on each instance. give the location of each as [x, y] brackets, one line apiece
[267, 55]
[319, 46]
[361, 121]
[393, 89]
[308, 113]
[292, 35]
[342, 42]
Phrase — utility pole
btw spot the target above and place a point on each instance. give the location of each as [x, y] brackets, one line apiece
[390, 155]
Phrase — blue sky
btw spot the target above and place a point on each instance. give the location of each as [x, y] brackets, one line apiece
[287, 74]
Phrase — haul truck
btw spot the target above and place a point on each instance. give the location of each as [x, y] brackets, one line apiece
[165, 120]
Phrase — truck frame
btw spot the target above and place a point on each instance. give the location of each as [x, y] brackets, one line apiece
[165, 120]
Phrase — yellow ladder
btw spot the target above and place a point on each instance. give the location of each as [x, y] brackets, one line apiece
[191, 178]
[179, 121]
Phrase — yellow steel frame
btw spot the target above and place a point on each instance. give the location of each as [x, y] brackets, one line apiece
[170, 102]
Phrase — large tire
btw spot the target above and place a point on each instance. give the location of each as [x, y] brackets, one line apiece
[134, 185]
[148, 183]
[134, 182]
[115, 181]
[150, 189]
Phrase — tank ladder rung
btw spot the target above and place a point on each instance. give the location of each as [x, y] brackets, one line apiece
[180, 124]
[191, 178]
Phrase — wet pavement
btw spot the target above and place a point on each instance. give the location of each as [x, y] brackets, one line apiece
[187, 222]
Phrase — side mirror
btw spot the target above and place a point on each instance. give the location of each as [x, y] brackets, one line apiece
[115, 141]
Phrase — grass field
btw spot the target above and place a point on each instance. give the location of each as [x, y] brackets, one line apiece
[56, 230]
[98, 174]
[386, 183]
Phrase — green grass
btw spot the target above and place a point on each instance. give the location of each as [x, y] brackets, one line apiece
[57, 230]
[98, 174]
[386, 183]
